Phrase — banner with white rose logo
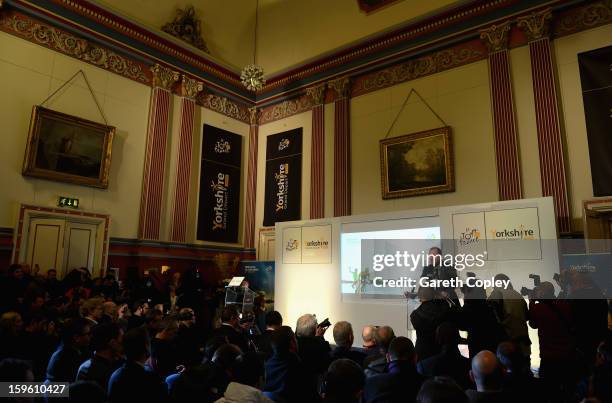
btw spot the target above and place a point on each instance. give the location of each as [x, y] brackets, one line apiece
[283, 195]
[219, 204]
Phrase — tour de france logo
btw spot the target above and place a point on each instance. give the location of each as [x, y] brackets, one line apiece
[222, 146]
[292, 244]
[470, 236]
[283, 144]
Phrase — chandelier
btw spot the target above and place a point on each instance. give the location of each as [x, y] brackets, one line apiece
[252, 76]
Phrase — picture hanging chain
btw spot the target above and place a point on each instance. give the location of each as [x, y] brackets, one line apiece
[88, 86]
[404, 105]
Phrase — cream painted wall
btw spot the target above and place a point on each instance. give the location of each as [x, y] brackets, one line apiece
[206, 116]
[461, 97]
[572, 118]
[227, 26]
[303, 120]
[28, 74]
[293, 31]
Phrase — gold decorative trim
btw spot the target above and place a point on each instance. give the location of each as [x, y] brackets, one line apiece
[73, 46]
[187, 27]
[586, 17]
[164, 77]
[496, 37]
[254, 115]
[224, 106]
[189, 88]
[341, 87]
[536, 25]
[420, 67]
[316, 94]
[285, 109]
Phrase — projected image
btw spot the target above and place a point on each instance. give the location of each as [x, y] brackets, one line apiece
[358, 275]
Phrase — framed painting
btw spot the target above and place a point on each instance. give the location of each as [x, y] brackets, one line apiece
[417, 164]
[69, 149]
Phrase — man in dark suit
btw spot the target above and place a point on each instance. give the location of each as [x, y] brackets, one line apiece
[131, 382]
[375, 364]
[65, 361]
[230, 328]
[285, 373]
[274, 321]
[436, 270]
[343, 336]
[313, 349]
[449, 362]
[402, 382]
[107, 343]
[432, 312]
[343, 383]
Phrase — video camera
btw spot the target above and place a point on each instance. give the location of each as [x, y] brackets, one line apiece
[324, 324]
[528, 292]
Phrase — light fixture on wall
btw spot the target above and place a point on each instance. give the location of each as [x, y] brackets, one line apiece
[252, 75]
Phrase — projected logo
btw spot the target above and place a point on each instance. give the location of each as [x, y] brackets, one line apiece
[469, 236]
[292, 244]
[220, 189]
[282, 186]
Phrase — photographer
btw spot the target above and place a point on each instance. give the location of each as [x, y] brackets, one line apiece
[435, 270]
[553, 319]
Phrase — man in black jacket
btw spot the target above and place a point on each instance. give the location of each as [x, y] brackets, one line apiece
[230, 328]
[375, 364]
[313, 349]
[65, 361]
[131, 382]
[343, 336]
[402, 382]
[106, 342]
[426, 318]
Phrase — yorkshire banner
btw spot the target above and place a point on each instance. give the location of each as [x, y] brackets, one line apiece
[596, 80]
[283, 177]
[219, 206]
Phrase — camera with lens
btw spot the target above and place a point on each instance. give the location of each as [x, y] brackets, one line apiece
[529, 292]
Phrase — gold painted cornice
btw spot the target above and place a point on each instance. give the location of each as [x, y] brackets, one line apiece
[496, 37]
[341, 87]
[164, 77]
[317, 94]
[189, 88]
[536, 25]
[254, 115]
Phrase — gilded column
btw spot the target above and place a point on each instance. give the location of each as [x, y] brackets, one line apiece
[504, 121]
[188, 90]
[342, 147]
[155, 155]
[317, 163]
[249, 217]
[550, 143]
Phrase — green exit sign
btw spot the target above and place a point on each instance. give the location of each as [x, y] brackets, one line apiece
[67, 202]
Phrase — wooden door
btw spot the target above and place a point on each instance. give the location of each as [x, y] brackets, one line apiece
[79, 246]
[46, 243]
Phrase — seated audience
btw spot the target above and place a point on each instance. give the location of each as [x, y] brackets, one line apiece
[377, 363]
[488, 376]
[343, 382]
[164, 352]
[441, 389]
[132, 382]
[401, 382]
[66, 360]
[230, 328]
[107, 346]
[248, 379]
[93, 310]
[286, 377]
[449, 362]
[343, 336]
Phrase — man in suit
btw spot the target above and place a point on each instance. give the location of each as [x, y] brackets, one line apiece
[449, 362]
[375, 364]
[402, 382]
[343, 383]
[436, 270]
[274, 321]
[230, 328]
[285, 373]
[432, 312]
[313, 349]
[343, 336]
[65, 361]
[131, 382]
[107, 345]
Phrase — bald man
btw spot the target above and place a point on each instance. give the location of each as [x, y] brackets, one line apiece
[369, 342]
[487, 374]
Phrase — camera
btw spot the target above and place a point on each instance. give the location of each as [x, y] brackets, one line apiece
[528, 292]
[325, 323]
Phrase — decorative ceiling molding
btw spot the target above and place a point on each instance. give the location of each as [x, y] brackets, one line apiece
[536, 25]
[164, 77]
[285, 109]
[341, 87]
[71, 45]
[496, 36]
[189, 88]
[583, 18]
[317, 94]
[224, 106]
[187, 27]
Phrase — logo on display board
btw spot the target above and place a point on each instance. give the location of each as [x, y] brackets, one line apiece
[222, 146]
[469, 236]
[292, 244]
[283, 144]
[282, 184]
[220, 190]
[316, 244]
[518, 233]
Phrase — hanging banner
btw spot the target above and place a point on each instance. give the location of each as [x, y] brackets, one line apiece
[596, 82]
[219, 205]
[283, 193]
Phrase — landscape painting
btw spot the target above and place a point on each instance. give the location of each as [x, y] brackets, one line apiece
[417, 164]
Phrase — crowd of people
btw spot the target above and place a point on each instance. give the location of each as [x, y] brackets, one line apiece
[169, 338]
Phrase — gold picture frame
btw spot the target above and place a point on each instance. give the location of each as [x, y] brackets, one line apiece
[417, 164]
[67, 148]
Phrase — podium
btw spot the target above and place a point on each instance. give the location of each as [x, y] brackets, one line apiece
[242, 297]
